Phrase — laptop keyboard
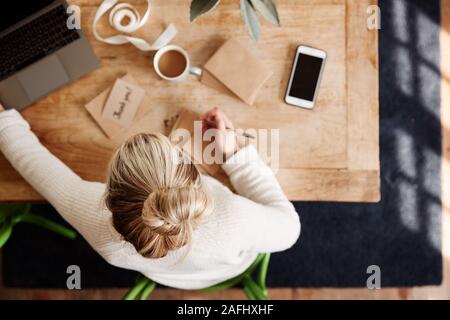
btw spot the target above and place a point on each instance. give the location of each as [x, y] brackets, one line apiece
[35, 40]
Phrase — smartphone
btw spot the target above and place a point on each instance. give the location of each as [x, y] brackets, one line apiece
[305, 77]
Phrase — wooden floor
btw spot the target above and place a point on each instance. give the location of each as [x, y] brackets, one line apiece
[438, 292]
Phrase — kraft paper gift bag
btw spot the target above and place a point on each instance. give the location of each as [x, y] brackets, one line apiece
[235, 69]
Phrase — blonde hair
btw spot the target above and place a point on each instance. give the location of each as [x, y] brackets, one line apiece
[155, 196]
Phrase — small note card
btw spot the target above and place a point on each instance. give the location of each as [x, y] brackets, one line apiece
[123, 103]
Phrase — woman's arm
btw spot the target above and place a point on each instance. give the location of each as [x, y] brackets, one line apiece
[271, 222]
[76, 200]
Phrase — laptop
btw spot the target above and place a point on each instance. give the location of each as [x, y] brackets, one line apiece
[38, 52]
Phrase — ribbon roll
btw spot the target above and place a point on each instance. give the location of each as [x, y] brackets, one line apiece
[118, 16]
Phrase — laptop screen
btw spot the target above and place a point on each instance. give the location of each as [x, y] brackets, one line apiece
[17, 10]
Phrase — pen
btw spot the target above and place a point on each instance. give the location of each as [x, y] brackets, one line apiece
[244, 134]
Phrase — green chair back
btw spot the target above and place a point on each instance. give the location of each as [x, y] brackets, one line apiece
[12, 214]
[254, 289]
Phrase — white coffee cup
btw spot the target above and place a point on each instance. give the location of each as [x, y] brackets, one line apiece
[189, 69]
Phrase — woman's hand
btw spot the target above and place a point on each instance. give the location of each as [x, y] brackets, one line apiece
[1, 108]
[226, 139]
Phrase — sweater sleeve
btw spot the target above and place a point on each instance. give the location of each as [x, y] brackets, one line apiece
[76, 200]
[272, 224]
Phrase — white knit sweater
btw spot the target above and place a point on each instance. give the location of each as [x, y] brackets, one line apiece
[259, 219]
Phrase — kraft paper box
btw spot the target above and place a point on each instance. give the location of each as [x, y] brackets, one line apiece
[236, 70]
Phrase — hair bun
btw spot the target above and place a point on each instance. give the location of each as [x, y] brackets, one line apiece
[162, 220]
[173, 213]
[155, 212]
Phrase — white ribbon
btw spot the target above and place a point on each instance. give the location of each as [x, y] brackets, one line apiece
[123, 11]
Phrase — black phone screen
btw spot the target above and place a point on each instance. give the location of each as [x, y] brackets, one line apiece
[306, 76]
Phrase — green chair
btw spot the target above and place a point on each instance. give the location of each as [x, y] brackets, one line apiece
[12, 214]
[254, 290]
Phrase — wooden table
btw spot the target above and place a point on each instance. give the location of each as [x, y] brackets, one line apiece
[328, 154]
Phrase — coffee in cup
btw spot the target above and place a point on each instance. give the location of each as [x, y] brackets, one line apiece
[172, 63]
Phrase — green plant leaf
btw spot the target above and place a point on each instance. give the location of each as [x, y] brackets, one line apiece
[200, 7]
[250, 18]
[268, 10]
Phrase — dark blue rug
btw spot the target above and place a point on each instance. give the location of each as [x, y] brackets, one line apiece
[401, 234]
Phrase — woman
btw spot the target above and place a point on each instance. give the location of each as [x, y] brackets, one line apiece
[157, 215]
